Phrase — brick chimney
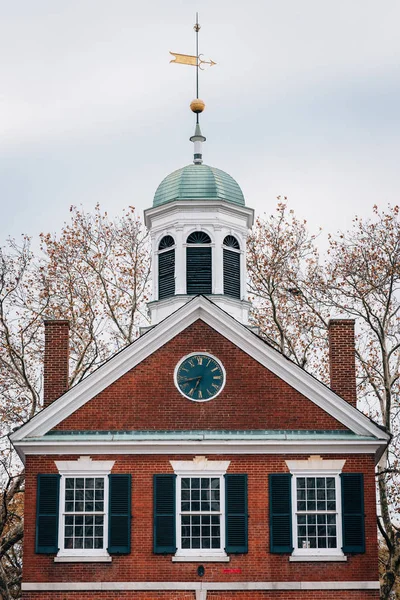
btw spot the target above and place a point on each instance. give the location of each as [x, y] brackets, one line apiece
[342, 359]
[56, 358]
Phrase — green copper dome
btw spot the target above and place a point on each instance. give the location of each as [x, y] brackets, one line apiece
[198, 182]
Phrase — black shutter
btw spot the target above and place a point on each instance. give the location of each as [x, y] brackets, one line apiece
[232, 273]
[119, 514]
[353, 512]
[280, 513]
[198, 270]
[236, 513]
[164, 536]
[47, 513]
[166, 274]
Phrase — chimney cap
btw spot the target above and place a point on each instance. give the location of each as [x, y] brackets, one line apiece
[56, 322]
[340, 319]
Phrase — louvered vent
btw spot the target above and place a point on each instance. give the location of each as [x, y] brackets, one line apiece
[231, 273]
[198, 264]
[166, 274]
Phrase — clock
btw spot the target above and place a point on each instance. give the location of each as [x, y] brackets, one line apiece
[199, 376]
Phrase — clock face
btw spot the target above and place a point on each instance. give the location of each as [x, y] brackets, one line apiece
[200, 376]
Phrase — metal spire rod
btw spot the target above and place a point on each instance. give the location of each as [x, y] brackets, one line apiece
[197, 29]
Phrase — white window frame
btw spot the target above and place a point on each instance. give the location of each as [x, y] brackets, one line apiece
[200, 466]
[83, 467]
[315, 466]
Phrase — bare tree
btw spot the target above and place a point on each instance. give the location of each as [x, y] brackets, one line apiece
[282, 257]
[95, 273]
[361, 279]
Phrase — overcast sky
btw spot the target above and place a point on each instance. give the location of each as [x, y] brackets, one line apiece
[304, 102]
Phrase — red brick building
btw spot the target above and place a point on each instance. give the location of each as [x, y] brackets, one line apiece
[199, 463]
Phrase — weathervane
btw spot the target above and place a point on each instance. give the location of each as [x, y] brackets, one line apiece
[197, 105]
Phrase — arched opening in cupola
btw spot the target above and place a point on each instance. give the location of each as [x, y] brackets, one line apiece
[198, 263]
[231, 258]
[166, 267]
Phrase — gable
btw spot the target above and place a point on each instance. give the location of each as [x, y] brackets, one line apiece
[199, 308]
[145, 398]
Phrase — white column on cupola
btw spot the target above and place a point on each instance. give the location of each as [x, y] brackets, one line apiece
[218, 266]
[180, 261]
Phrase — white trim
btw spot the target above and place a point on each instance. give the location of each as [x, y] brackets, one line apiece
[241, 336]
[208, 355]
[82, 558]
[200, 463]
[208, 206]
[198, 585]
[231, 447]
[315, 463]
[84, 466]
[204, 558]
[318, 558]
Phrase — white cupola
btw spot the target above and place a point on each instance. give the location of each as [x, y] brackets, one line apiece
[198, 227]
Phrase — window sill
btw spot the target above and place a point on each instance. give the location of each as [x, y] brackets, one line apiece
[318, 558]
[82, 558]
[205, 558]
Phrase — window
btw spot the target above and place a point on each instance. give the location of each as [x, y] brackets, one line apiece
[84, 512]
[316, 507]
[83, 516]
[316, 513]
[200, 504]
[166, 267]
[198, 264]
[231, 260]
[200, 512]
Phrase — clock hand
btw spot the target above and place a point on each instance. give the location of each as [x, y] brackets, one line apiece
[198, 381]
[192, 378]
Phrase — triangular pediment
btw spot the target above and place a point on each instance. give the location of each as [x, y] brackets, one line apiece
[200, 308]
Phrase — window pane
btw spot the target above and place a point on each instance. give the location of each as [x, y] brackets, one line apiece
[79, 530]
[200, 530]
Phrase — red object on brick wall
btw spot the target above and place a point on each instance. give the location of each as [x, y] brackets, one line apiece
[342, 359]
[56, 359]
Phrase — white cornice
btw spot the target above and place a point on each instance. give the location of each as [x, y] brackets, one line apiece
[200, 464]
[84, 465]
[206, 447]
[241, 336]
[207, 206]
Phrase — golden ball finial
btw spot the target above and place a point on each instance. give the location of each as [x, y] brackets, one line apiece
[197, 105]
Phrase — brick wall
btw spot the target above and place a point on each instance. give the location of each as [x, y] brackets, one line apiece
[146, 397]
[257, 565]
[342, 359]
[56, 357]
